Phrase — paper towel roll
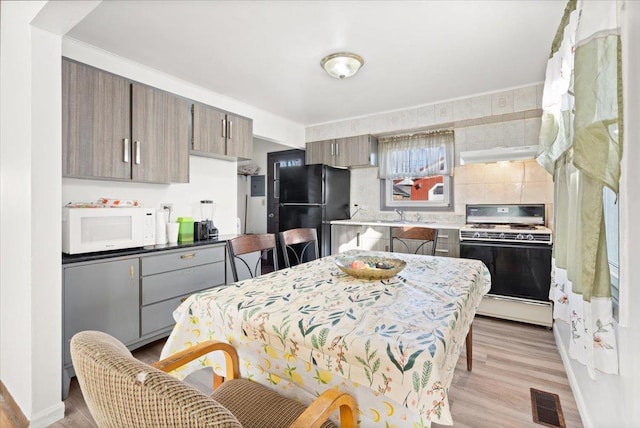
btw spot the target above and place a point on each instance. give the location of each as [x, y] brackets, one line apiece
[161, 228]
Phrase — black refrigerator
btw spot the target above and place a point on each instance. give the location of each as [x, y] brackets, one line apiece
[313, 196]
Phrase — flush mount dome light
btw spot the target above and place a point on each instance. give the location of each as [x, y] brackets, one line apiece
[342, 64]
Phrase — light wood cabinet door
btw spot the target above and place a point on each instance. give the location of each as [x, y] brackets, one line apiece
[322, 152]
[239, 137]
[208, 126]
[217, 133]
[96, 123]
[160, 136]
[355, 151]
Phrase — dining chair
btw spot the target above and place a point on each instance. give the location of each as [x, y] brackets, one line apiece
[252, 243]
[424, 234]
[301, 243]
[121, 392]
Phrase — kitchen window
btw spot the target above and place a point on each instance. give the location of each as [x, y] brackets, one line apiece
[416, 171]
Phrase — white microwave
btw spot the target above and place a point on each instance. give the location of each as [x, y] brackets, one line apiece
[87, 230]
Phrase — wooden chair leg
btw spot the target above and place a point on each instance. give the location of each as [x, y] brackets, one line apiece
[469, 347]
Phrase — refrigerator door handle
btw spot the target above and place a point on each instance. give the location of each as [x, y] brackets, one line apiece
[290, 204]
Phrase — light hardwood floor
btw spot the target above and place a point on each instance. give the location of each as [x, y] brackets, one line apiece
[508, 359]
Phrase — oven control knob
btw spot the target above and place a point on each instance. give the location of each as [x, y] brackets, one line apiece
[485, 234]
[501, 235]
[520, 237]
[530, 237]
[476, 235]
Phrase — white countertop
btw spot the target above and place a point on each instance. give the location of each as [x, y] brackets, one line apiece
[398, 223]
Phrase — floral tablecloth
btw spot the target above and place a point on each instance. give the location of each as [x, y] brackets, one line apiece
[392, 343]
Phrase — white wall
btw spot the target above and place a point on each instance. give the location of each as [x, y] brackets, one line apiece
[30, 275]
[32, 189]
[629, 329]
[256, 205]
[209, 179]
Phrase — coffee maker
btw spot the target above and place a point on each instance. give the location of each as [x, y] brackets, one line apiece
[204, 229]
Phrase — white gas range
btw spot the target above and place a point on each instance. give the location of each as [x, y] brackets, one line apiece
[515, 245]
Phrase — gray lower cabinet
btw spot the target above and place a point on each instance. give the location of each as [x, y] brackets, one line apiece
[448, 243]
[347, 237]
[101, 296]
[168, 279]
[133, 298]
[376, 238]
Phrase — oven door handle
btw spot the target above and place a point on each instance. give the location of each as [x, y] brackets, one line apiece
[541, 246]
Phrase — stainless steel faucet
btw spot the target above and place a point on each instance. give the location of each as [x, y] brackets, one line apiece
[400, 213]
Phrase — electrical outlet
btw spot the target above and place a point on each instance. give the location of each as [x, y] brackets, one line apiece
[166, 206]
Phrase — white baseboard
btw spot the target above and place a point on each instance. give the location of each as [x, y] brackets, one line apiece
[573, 380]
[48, 416]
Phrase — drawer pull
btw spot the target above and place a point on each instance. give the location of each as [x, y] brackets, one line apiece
[441, 251]
[188, 256]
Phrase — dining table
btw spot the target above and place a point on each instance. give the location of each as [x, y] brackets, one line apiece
[392, 343]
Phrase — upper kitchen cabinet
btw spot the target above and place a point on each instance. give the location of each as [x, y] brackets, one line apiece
[217, 133]
[160, 136]
[347, 152]
[96, 123]
[115, 129]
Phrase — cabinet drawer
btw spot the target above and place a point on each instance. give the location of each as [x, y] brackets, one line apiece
[447, 250]
[181, 259]
[159, 316]
[448, 236]
[156, 288]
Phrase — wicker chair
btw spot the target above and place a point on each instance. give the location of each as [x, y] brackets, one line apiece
[301, 243]
[123, 392]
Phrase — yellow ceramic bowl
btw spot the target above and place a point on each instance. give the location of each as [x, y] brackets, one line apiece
[370, 267]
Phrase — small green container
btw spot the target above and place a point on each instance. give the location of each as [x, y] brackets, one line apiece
[185, 231]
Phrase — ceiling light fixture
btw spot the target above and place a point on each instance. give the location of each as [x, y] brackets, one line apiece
[342, 64]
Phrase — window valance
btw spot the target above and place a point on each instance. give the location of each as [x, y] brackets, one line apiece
[419, 155]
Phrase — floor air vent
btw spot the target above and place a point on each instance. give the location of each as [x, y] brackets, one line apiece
[546, 409]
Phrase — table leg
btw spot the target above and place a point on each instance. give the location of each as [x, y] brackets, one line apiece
[469, 347]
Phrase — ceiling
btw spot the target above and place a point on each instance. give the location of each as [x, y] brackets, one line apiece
[267, 53]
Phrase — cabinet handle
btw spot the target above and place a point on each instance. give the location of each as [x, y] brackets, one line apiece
[137, 143]
[230, 129]
[224, 128]
[337, 149]
[125, 145]
[358, 239]
[188, 256]
[131, 272]
[332, 150]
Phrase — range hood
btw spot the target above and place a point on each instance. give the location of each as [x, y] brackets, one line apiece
[498, 154]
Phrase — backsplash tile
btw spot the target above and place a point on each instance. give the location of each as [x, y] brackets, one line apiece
[462, 109]
[480, 106]
[524, 98]
[444, 112]
[502, 103]
[508, 118]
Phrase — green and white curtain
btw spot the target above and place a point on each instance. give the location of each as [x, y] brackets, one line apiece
[420, 155]
[581, 146]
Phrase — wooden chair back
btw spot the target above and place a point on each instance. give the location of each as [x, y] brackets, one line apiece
[300, 243]
[424, 234]
[245, 244]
